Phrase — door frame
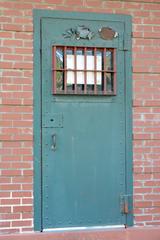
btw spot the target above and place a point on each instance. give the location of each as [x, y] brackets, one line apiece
[38, 16]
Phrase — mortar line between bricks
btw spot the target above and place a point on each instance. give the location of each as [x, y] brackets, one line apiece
[16, 105]
[20, 69]
[132, 1]
[146, 72]
[15, 31]
[63, 4]
[145, 173]
[152, 38]
[148, 106]
[147, 139]
[16, 141]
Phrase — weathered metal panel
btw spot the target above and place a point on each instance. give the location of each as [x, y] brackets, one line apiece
[37, 126]
[128, 103]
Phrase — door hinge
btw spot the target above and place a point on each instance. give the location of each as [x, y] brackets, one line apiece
[126, 204]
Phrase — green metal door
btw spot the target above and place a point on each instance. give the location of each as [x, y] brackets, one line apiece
[83, 136]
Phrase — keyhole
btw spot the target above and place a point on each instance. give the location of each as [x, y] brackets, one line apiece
[52, 120]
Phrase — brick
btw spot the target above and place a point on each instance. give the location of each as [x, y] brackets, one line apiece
[111, 4]
[11, 88]
[10, 201]
[143, 204]
[27, 186]
[21, 65]
[13, 57]
[24, 35]
[21, 165]
[10, 187]
[55, 1]
[6, 65]
[21, 194]
[6, 50]
[12, 27]
[23, 50]
[21, 223]
[9, 230]
[72, 2]
[24, 20]
[27, 215]
[27, 172]
[10, 216]
[151, 210]
[5, 19]
[10, 158]
[22, 209]
[22, 151]
[12, 12]
[6, 34]
[5, 209]
[4, 194]
[27, 201]
[153, 223]
[4, 165]
[152, 197]
[4, 224]
[93, 3]
[19, 5]
[24, 229]
[22, 124]
[5, 180]
[151, 6]
[11, 172]
[143, 190]
[143, 218]
[22, 179]
[28, 28]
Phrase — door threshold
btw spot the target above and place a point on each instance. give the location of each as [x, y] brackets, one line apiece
[83, 228]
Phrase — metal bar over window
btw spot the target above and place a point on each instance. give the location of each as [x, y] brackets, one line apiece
[85, 69]
[75, 77]
[54, 72]
[95, 71]
[65, 71]
[75, 70]
[104, 73]
[115, 72]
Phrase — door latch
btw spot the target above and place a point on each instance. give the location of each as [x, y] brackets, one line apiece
[53, 146]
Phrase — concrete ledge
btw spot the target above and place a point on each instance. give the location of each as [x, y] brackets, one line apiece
[134, 233]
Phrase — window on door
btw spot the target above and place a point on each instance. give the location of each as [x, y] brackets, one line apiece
[84, 70]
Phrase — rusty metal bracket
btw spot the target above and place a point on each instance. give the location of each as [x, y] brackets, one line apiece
[125, 204]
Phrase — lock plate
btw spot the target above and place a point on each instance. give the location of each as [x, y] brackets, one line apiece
[53, 120]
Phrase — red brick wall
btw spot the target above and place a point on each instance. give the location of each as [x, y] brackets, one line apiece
[16, 162]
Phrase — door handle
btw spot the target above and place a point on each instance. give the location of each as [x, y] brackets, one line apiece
[53, 146]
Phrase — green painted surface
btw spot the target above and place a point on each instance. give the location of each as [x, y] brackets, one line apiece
[82, 180]
[37, 127]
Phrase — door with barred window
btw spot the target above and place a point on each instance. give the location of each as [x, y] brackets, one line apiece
[83, 69]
